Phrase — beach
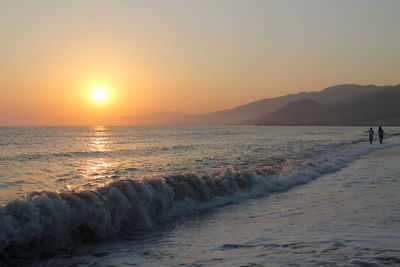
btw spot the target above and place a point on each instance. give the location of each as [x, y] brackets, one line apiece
[348, 217]
[197, 196]
[199, 133]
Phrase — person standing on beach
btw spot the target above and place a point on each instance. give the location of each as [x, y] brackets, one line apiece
[371, 135]
[381, 133]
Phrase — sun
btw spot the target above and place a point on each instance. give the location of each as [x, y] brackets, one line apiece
[99, 94]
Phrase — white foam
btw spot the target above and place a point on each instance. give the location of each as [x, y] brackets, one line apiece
[55, 220]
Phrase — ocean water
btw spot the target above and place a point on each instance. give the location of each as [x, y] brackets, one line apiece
[118, 189]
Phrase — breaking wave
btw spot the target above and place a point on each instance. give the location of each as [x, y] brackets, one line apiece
[56, 220]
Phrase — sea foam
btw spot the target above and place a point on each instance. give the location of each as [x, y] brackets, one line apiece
[55, 220]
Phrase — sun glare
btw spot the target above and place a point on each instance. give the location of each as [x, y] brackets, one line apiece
[99, 94]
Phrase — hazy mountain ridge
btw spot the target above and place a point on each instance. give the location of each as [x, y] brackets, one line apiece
[299, 112]
[380, 107]
[248, 112]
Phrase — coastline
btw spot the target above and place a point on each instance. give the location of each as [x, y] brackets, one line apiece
[348, 222]
[347, 217]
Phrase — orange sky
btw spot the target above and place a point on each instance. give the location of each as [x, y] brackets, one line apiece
[184, 56]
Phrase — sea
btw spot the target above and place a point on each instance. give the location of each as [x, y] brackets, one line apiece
[199, 196]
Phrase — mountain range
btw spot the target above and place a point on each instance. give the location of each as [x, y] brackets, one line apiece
[380, 107]
[346, 104]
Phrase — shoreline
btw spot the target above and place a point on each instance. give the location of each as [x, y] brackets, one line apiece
[105, 213]
[338, 219]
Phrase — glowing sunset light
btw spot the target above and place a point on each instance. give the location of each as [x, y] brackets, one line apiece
[99, 94]
[60, 66]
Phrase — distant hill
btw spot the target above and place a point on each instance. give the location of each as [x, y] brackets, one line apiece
[379, 107]
[300, 112]
[251, 110]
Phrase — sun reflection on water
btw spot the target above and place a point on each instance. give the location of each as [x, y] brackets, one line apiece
[100, 141]
[98, 170]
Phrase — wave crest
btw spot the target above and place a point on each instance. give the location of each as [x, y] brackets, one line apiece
[55, 220]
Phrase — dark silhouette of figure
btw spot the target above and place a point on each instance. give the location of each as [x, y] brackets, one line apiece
[381, 134]
[371, 135]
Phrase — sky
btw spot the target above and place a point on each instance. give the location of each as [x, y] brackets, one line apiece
[187, 56]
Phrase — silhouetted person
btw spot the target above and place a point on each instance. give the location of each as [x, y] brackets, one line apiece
[371, 135]
[381, 134]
